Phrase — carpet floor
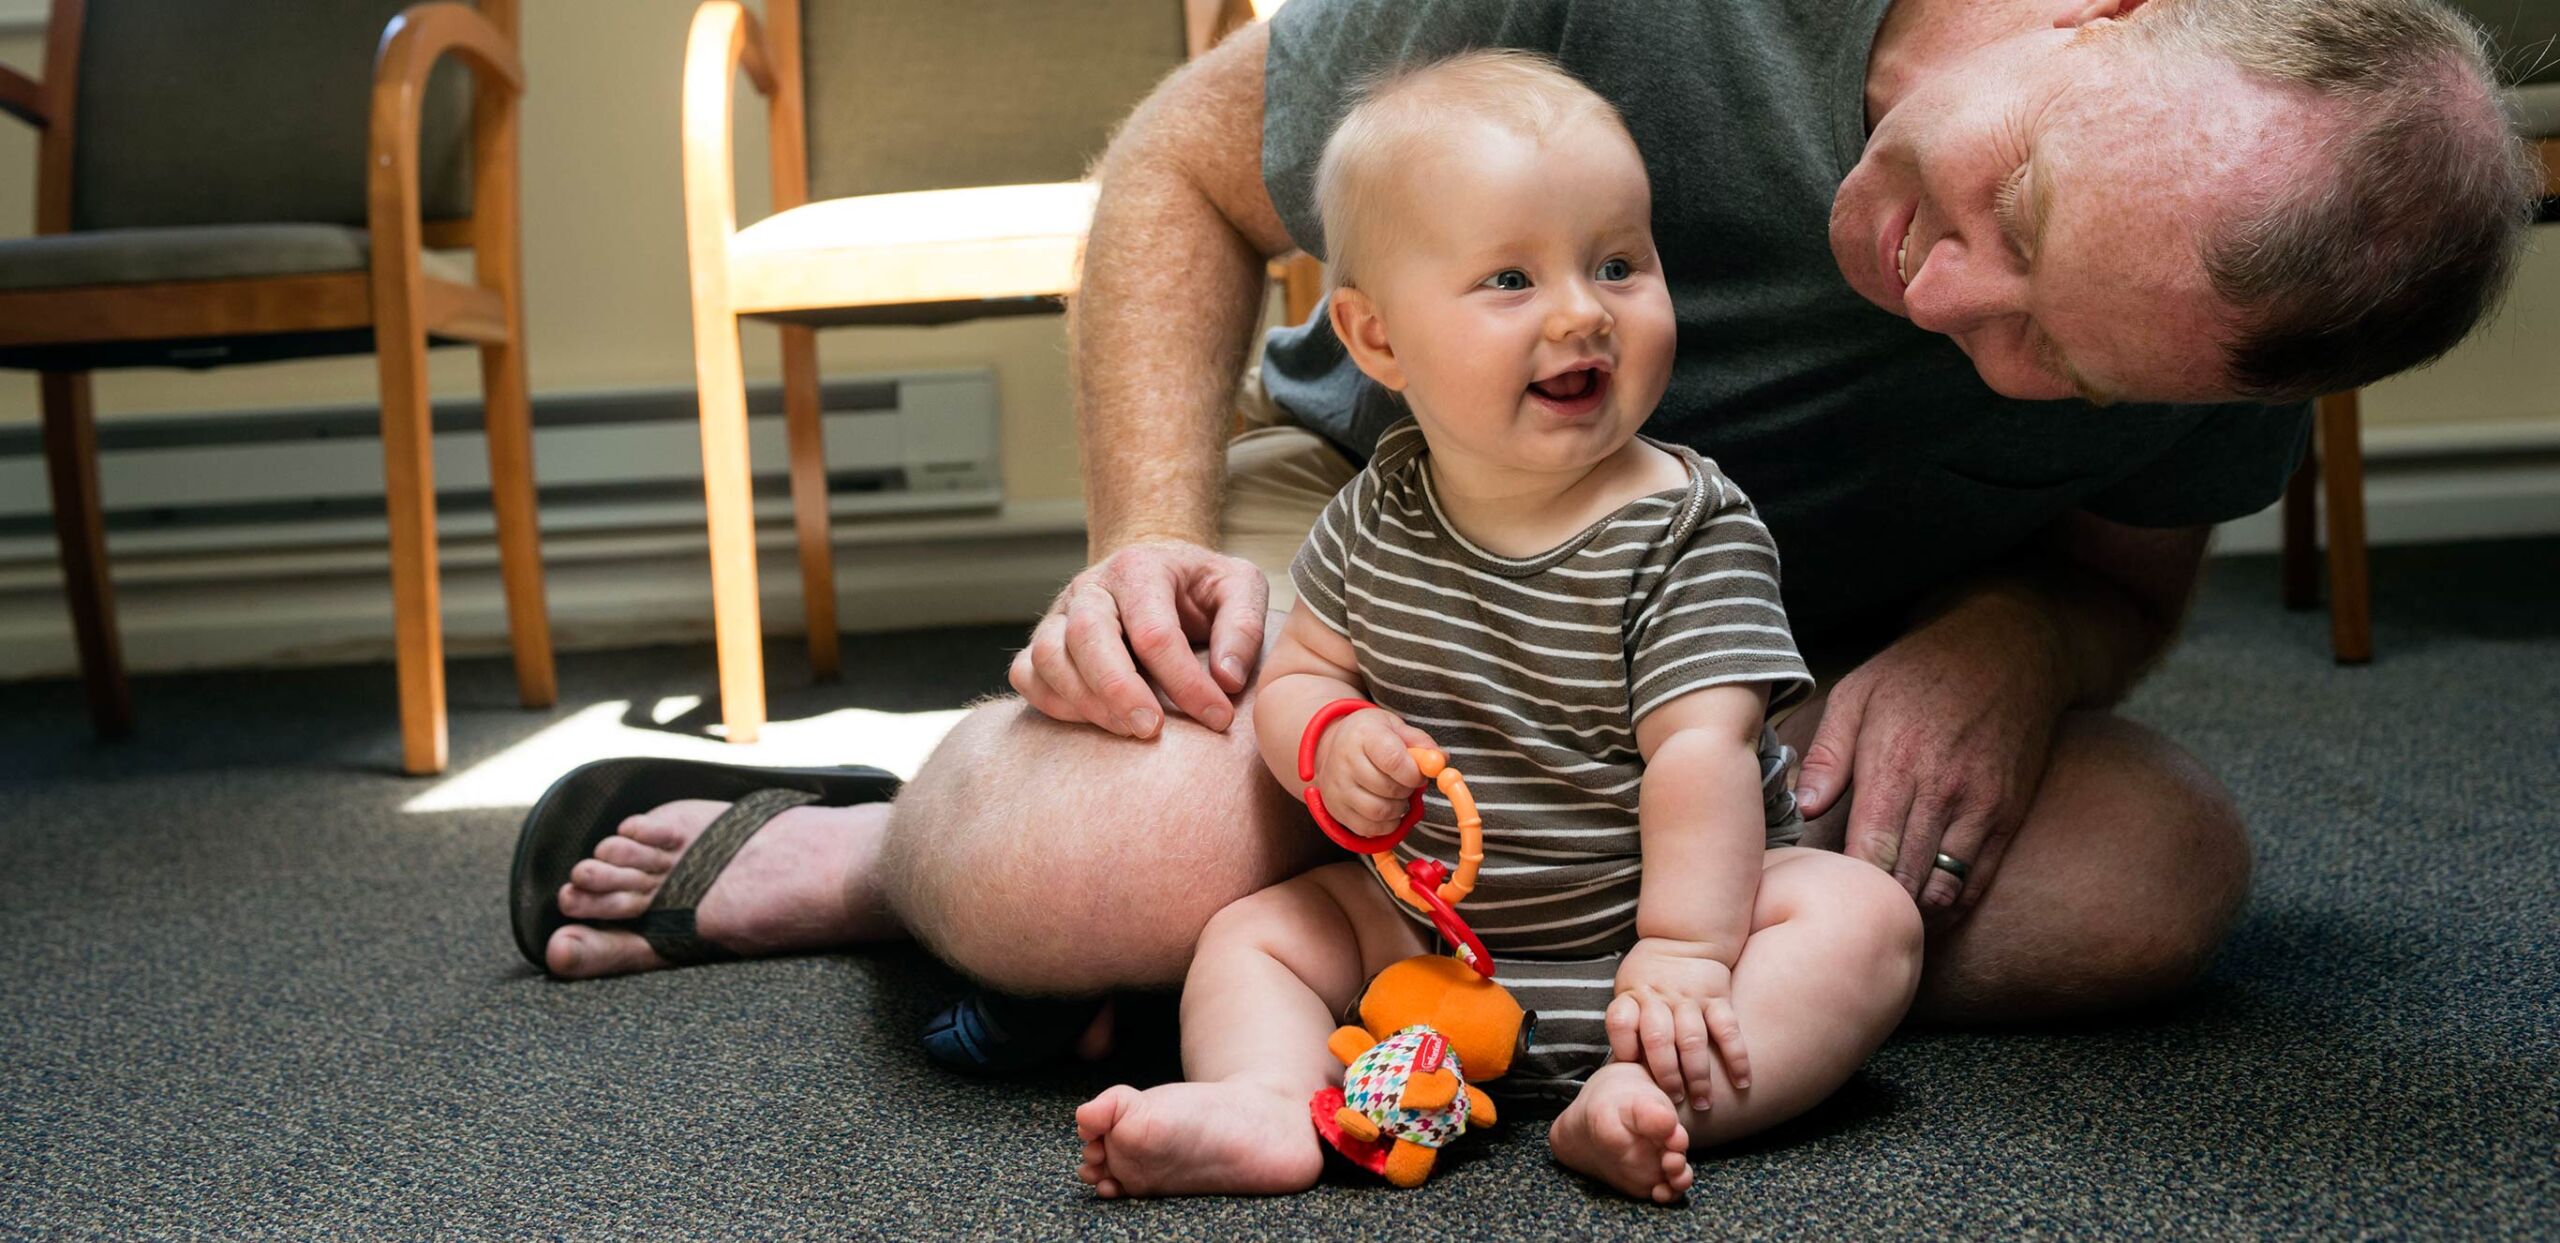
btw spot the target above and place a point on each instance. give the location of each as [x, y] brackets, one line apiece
[257, 985]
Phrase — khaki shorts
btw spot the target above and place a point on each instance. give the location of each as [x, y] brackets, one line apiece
[1279, 477]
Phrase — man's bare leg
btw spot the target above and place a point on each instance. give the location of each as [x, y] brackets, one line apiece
[2123, 880]
[1058, 860]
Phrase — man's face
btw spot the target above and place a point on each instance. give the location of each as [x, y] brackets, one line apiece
[1522, 310]
[2040, 202]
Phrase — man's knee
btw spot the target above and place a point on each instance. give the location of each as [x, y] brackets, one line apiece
[1048, 858]
[2138, 867]
[2181, 896]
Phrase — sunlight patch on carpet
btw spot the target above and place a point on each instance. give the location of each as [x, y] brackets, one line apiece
[515, 777]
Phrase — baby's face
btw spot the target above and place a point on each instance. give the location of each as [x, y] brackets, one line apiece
[1522, 301]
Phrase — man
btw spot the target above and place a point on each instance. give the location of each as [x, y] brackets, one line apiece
[1915, 247]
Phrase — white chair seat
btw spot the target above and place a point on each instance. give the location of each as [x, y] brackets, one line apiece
[923, 250]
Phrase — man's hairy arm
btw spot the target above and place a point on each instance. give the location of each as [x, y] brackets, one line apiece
[1157, 334]
[1172, 288]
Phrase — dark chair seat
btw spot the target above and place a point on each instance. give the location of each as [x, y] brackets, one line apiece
[208, 252]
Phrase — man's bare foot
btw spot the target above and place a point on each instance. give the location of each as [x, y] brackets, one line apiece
[1197, 1139]
[1623, 1131]
[803, 882]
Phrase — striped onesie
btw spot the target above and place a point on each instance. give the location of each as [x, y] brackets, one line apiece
[1532, 673]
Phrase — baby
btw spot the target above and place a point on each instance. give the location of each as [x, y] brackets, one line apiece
[1587, 623]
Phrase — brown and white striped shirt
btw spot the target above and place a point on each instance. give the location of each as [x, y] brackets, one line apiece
[1532, 674]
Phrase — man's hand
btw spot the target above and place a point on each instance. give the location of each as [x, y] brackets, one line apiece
[1945, 735]
[1674, 1015]
[1155, 599]
[1366, 771]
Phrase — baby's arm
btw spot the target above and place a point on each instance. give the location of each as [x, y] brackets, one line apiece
[1361, 765]
[1704, 832]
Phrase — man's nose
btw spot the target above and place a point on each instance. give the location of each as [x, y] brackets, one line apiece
[1956, 291]
[1576, 312]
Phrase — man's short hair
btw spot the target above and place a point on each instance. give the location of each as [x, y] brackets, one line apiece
[2390, 259]
[1403, 112]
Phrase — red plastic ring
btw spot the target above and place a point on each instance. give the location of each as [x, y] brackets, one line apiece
[1345, 838]
[1452, 929]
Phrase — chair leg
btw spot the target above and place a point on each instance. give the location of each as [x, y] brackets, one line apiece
[510, 429]
[809, 496]
[2342, 470]
[2301, 543]
[728, 489]
[409, 489]
[79, 524]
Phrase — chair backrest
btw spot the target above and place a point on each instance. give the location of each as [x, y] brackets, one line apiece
[933, 94]
[194, 112]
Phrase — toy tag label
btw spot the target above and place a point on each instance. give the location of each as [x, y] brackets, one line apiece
[1427, 1056]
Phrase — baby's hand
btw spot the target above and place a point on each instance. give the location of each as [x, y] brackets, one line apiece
[1674, 1014]
[1365, 773]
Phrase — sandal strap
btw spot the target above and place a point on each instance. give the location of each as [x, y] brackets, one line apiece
[668, 923]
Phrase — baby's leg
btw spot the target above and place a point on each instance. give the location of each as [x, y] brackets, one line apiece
[1271, 973]
[1829, 968]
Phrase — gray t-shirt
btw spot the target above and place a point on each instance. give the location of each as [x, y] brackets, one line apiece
[1881, 462]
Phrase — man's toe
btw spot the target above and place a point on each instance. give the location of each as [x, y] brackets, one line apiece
[577, 953]
[598, 876]
[631, 853]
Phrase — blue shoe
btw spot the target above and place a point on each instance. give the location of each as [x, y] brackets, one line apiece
[988, 1033]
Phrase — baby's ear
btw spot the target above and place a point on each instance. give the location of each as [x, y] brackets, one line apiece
[1364, 333]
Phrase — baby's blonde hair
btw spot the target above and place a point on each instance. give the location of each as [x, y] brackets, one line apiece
[1405, 111]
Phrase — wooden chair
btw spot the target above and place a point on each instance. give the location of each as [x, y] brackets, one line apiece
[2336, 467]
[2336, 461]
[210, 191]
[945, 146]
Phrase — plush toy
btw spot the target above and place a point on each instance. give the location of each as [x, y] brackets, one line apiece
[1430, 1030]
[1427, 1024]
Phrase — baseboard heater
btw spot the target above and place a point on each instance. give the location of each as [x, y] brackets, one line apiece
[271, 481]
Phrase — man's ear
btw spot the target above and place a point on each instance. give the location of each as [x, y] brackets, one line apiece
[2076, 14]
[1364, 332]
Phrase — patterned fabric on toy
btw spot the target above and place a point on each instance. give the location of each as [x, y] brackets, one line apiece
[1374, 1085]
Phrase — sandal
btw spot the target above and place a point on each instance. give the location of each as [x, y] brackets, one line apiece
[590, 802]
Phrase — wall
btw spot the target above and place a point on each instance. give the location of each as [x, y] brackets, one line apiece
[604, 256]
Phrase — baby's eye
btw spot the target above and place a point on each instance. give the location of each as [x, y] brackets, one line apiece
[1616, 270]
[1508, 280]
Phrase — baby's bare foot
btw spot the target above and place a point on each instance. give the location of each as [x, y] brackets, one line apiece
[793, 886]
[1197, 1139]
[1623, 1131]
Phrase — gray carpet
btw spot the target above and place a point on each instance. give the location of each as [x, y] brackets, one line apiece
[246, 994]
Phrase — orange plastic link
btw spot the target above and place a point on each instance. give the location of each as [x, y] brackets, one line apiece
[1453, 786]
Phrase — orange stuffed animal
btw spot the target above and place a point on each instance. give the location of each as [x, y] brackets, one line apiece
[1428, 1026]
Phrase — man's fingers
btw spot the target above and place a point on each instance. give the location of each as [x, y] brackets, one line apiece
[1876, 818]
[1963, 842]
[1724, 1026]
[1922, 827]
[1115, 696]
[1661, 1047]
[1620, 1018]
[1696, 1055]
[1240, 601]
[1055, 672]
[1155, 633]
[1984, 862]
[1830, 759]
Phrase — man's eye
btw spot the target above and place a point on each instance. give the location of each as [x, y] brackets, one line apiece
[1616, 270]
[1508, 280]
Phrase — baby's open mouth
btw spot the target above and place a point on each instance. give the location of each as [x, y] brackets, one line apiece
[1572, 392]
